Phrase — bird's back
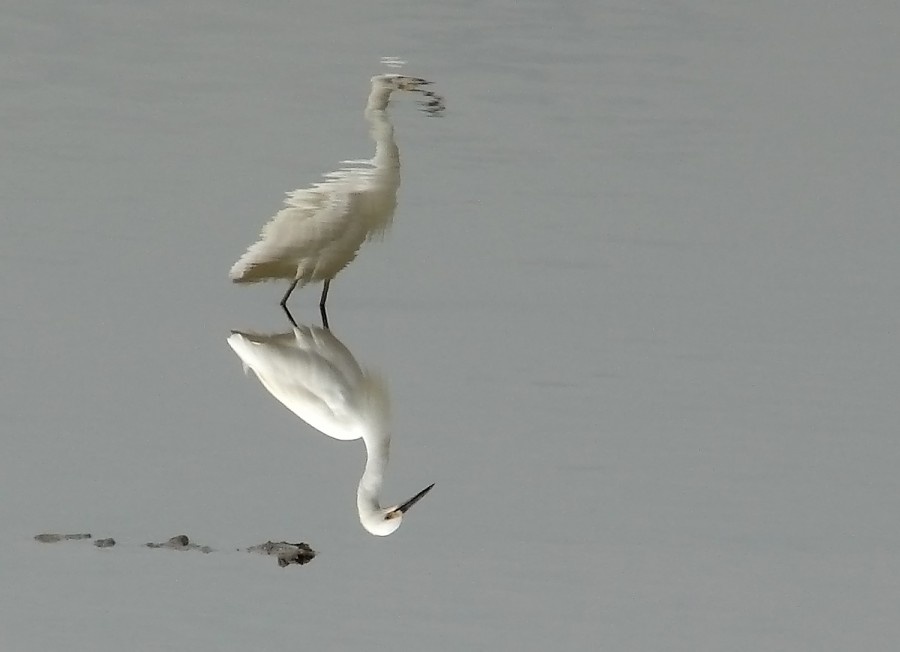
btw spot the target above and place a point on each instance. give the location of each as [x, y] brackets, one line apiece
[312, 374]
[320, 229]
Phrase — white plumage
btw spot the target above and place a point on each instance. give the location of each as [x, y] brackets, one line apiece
[320, 229]
[315, 376]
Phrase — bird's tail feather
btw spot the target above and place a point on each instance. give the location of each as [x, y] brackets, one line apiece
[254, 272]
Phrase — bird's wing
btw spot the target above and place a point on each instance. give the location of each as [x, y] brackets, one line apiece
[306, 224]
[302, 381]
[323, 342]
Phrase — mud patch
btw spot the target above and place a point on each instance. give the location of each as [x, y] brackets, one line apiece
[285, 553]
[180, 542]
[54, 538]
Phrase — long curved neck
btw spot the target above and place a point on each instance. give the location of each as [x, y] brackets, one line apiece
[387, 154]
[368, 494]
[379, 97]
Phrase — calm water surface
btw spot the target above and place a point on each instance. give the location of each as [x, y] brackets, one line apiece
[637, 313]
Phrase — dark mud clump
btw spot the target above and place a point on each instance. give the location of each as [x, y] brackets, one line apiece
[54, 538]
[180, 542]
[287, 553]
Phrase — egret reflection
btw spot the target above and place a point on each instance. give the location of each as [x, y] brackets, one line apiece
[316, 377]
[320, 229]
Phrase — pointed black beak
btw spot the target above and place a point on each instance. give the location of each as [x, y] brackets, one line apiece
[412, 501]
[413, 83]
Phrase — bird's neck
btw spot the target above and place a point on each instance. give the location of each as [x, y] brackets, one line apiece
[387, 154]
[379, 98]
[368, 495]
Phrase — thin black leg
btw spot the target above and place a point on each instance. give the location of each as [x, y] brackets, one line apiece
[288, 293]
[289, 315]
[324, 294]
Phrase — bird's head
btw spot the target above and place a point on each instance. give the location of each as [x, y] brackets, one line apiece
[383, 522]
[396, 82]
[383, 85]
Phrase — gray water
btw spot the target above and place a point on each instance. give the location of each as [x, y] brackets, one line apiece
[637, 314]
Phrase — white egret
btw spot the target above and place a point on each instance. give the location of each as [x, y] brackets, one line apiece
[316, 377]
[320, 229]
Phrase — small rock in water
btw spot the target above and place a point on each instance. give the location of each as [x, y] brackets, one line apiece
[180, 542]
[105, 543]
[53, 538]
[287, 553]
